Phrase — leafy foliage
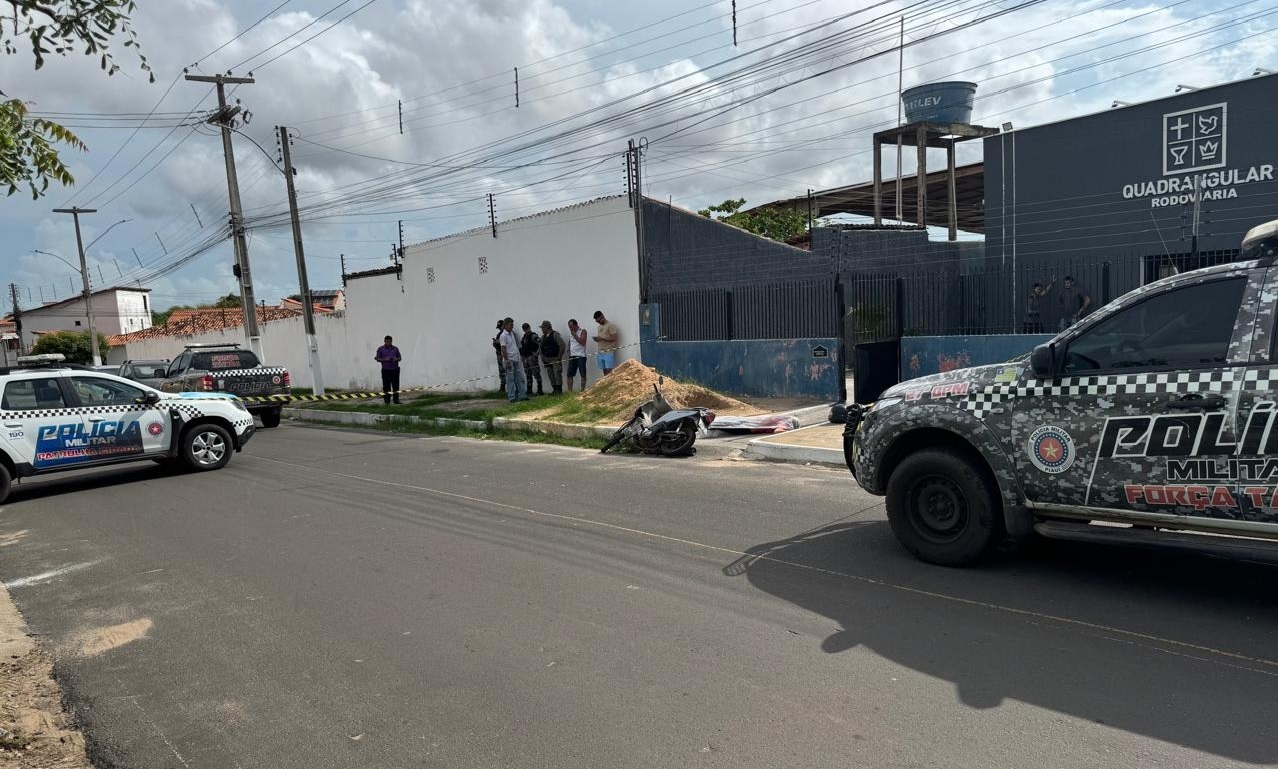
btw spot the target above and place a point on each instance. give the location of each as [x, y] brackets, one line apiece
[160, 317]
[230, 300]
[27, 153]
[75, 345]
[775, 223]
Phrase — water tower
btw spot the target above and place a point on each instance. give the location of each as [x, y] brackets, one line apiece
[937, 115]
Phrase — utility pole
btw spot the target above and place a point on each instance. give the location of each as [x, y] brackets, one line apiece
[635, 152]
[17, 321]
[223, 119]
[308, 311]
[75, 212]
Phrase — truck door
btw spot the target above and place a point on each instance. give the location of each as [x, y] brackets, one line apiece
[1256, 467]
[117, 421]
[41, 424]
[1144, 406]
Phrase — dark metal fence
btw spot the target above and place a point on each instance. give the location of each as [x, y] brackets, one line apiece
[796, 310]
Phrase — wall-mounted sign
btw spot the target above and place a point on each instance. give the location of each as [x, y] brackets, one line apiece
[820, 351]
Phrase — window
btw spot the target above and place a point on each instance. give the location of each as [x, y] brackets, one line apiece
[105, 392]
[30, 394]
[179, 364]
[1189, 327]
[77, 322]
[223, 360]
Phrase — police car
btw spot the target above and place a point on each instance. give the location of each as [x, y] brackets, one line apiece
[56, 417]
[1156, 413]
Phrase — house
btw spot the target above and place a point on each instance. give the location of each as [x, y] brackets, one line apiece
[115, 311]
[325, 300]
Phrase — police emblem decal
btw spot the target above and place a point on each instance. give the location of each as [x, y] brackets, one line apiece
[1051, 449]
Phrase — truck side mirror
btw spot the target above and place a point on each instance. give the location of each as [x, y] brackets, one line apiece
[1043, 361]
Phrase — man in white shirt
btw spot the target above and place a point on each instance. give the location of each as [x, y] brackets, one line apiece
[516, 384]
[576, 353]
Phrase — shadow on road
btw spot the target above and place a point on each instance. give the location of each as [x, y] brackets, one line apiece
[1177, 647]
[56, 484]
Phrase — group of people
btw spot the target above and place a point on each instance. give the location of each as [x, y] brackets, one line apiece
[1073, 300]
[522, 357]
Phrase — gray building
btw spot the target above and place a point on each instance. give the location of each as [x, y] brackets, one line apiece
[1123, 197]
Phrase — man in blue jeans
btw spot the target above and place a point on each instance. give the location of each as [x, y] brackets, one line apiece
[516, 384]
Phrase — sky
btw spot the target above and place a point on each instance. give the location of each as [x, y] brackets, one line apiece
[791, 106]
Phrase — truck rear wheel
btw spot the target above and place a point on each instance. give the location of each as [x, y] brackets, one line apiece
[270, 418]
[942, 508]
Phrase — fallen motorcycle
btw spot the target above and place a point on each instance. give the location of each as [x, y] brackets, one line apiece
[658, 427]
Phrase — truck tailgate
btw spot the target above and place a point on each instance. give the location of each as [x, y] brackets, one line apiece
[253, 381]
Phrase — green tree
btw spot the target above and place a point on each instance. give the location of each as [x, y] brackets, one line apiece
[230, 300]
[75, 345]
[27, 152]
[775, 223]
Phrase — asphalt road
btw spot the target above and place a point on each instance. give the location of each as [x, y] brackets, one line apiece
[350, 599]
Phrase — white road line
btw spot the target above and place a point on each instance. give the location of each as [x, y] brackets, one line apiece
[45, 576]
[1028, 613]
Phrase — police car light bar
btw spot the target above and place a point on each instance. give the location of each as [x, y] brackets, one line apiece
[47, 359]
[208, 345]
[1256, 237]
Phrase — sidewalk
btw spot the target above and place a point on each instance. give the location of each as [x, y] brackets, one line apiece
[820, 443]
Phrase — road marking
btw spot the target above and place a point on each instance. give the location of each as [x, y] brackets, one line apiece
[45, 576]
[1029, 613]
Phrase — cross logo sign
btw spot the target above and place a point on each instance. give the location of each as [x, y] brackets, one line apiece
[1194, 139]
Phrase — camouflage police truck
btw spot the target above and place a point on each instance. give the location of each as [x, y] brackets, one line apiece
[1155, 416]
[226, 368]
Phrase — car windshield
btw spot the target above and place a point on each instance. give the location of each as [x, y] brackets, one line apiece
[222, 360]
[146, 370]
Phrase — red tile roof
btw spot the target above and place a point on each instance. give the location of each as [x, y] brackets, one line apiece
[191, 322]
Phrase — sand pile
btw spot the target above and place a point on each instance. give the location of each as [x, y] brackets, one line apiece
[631, 384]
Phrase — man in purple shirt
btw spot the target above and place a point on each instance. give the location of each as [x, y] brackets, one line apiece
[388, 356]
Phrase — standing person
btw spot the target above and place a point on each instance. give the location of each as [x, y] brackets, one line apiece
[388, 355]
[576, 353]
[501, 359]
[553, 348]
[516, 388]
[530, 351]
[1074, 301]
[608, 337]
[1034, 308]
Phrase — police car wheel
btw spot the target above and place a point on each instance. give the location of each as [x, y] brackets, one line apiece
[942, 508]
[6, 482]
[206, 447]
[270, 418]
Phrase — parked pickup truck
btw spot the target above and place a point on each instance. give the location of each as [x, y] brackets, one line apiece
[1158, 413]
[228, 369]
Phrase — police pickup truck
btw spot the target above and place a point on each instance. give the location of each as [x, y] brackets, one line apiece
[227, 368]
[1156, 413]
[57, 417]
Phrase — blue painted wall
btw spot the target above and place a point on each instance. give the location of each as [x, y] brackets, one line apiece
[923, 355]
[770, 368]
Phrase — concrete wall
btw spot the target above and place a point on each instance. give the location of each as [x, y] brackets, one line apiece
[442, 313]
[783, 368]
[924, 355]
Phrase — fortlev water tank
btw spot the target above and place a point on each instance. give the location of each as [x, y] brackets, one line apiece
[949, 102]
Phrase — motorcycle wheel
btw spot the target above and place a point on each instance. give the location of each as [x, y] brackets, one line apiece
[679, 442]
[617, 437]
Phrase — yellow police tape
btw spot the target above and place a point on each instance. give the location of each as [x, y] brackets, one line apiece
[358, 396]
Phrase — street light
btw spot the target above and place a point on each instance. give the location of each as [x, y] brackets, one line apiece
[1180, 88]
[1118, 103]
[104, 232]
[97, 361]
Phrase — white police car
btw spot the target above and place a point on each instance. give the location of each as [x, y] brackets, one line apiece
[56, 417]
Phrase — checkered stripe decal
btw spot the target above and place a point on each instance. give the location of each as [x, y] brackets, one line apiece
[992, 398]
[1260, 379]
[276, 370]
[122, 408]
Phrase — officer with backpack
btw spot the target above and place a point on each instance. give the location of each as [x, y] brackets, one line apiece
[552, 356]
[530, 351]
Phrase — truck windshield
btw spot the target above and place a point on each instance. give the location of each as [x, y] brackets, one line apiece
[221, 360]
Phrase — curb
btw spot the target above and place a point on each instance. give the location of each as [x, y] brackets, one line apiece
[362, 418]
[761, 448]
[560, 429]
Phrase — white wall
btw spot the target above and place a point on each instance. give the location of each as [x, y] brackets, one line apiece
[547, 267]
[132, 311]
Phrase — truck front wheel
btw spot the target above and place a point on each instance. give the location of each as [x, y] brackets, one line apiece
[270, 418]
[942, 508]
